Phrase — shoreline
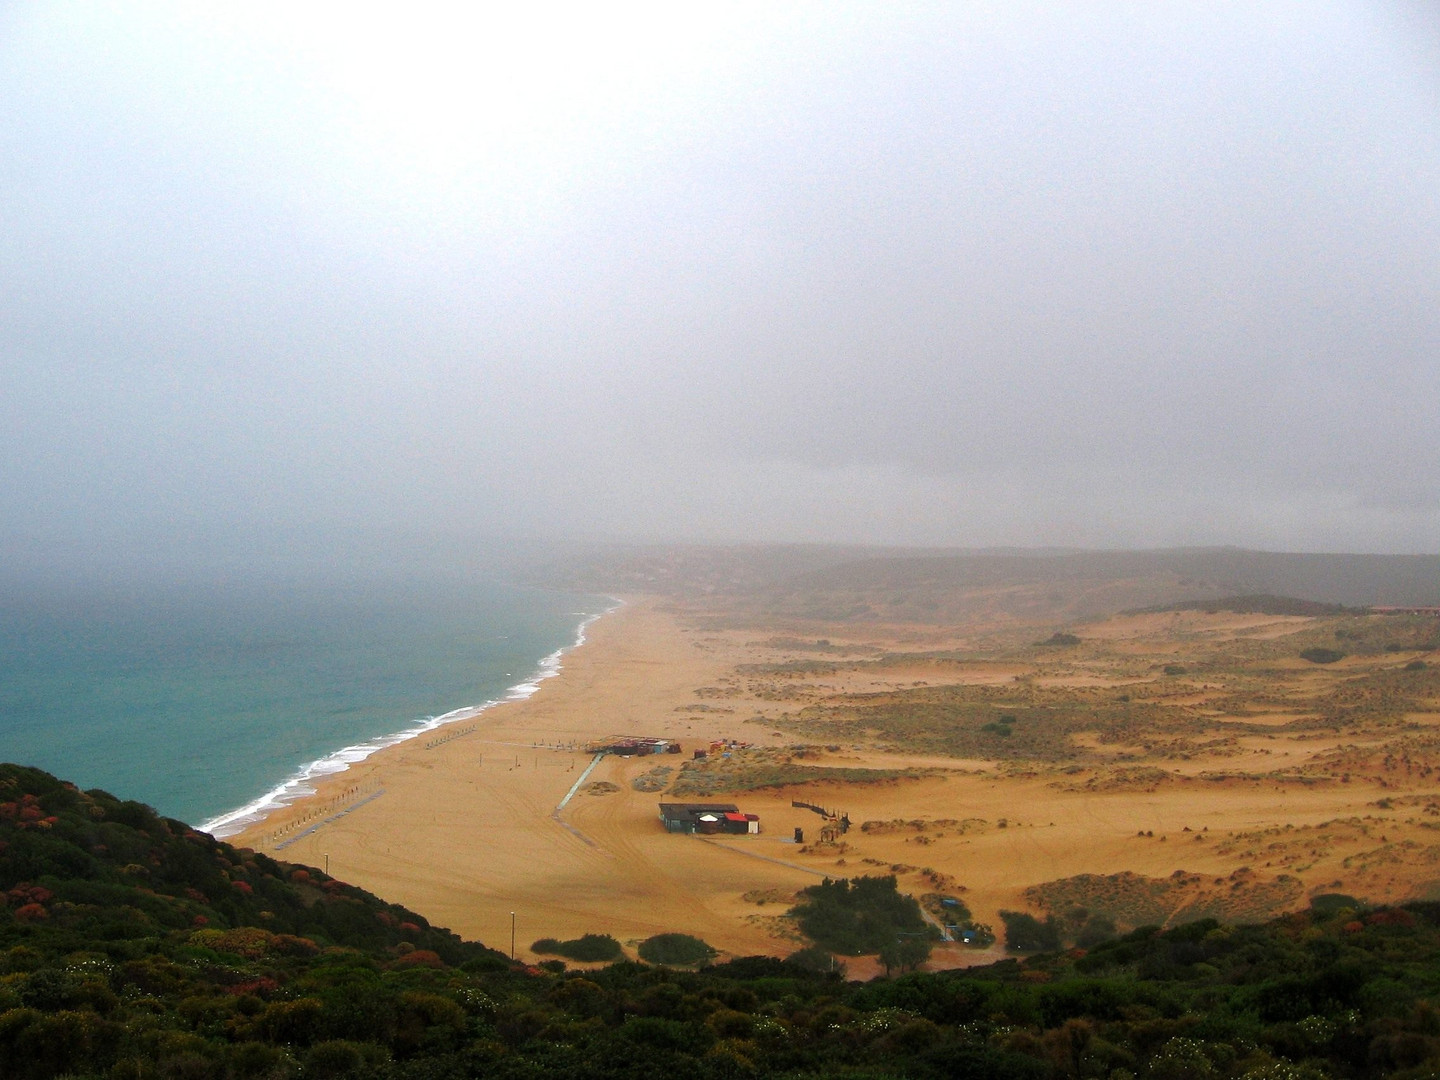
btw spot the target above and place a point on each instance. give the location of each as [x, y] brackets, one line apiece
[363, 777]
[308, 780]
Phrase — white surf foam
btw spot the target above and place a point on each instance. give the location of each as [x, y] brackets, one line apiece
[303, 783]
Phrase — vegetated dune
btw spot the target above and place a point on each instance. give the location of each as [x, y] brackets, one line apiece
[1344, 579]
[829, 583]
[1067, 586]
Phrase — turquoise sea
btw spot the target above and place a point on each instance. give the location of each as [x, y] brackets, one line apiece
[208, 700]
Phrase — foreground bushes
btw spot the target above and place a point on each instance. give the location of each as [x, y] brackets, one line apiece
[1320, 996]
[1334, 993]
[117, 981]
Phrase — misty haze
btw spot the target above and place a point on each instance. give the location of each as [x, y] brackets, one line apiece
[950, 276]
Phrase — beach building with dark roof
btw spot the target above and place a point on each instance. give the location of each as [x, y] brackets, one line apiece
[707, 818]
[634, 746]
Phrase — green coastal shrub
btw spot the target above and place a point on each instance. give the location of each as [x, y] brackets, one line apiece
[1331, 903]
[588, 948]
[814, 958]
[1025, 933]
[859, 917]
[1320, 655]
[1060, 638]
[906, 953]
[677, 950]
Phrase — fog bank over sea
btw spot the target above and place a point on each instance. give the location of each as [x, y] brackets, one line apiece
[201, 698]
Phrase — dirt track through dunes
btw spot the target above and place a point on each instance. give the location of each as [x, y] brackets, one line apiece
[1241, 762]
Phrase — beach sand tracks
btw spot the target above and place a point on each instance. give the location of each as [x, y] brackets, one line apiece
[679, 883]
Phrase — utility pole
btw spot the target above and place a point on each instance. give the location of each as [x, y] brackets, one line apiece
[512, 935]
[327, 864]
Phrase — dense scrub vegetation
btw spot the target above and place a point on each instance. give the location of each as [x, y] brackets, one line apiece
[587, 948]
[1025, 933]
[1059, 638]
[1075, 705]
[86, 866]
[1086, 904]
[1015, 721]
[129, 949]
[678, 950]
[1258, 604]
[868, 915]
[771, 767]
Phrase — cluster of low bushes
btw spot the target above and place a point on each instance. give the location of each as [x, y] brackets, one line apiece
[866, 916]
[1059, 639]
[674, 950]
[752, 770]
[677, 950]
[588, 948]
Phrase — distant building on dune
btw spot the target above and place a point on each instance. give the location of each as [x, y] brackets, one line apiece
[707, 818]
[634, 746]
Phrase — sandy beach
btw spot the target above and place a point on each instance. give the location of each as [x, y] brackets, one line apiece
[467, 831]
[467, 825]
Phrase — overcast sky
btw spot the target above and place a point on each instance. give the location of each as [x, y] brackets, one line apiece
[1099, 274]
